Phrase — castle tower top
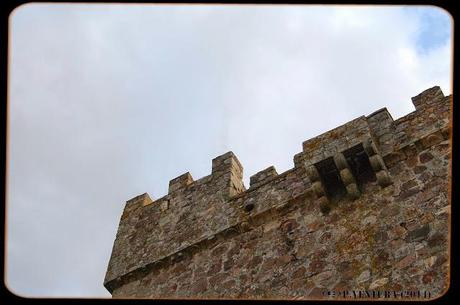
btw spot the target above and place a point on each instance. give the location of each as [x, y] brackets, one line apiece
[333, 170]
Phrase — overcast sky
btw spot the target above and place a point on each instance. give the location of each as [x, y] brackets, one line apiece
[110, 101]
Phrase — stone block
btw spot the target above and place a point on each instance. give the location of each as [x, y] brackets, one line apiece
[324, 205]
[428, 96]
[369, 147]
[180, 182]
[353, 191]
[377, 163]
[347, 177]
[312, 173]
[340, 161]
[406, 261]
[383, 179]
[263, 176]
[318, 188]
[418, 234]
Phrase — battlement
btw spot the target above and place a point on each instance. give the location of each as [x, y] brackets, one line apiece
[262, 176]
[143, 199]
[180, 182]
[333, 168]
[428, 97]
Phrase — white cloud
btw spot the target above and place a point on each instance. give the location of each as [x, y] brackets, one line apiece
[108, 102]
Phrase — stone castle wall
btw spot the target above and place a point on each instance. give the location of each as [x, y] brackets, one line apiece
[365, 207]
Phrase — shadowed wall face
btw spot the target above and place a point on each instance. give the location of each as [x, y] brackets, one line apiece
[365, 207]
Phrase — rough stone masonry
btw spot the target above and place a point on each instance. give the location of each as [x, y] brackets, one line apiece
[365, 208]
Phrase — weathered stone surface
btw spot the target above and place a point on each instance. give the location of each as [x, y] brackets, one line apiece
[325, 279]
[419, 234]
[364, 276]
[408, 193]
[353, 191]
[199, 286]
[378, 283]
[347, 176]
[408, 185]
[383, 178]
[427, 97]
[377, 163]
[263, 176]
[294, 242]
[318, 188]
[405, 262]
[429, 277]
[425, 157]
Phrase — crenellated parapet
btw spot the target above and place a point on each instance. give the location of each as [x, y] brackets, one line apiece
[333, 170]
[192, 210]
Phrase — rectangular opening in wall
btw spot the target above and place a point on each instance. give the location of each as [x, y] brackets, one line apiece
[359, 165]
[330, 177]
